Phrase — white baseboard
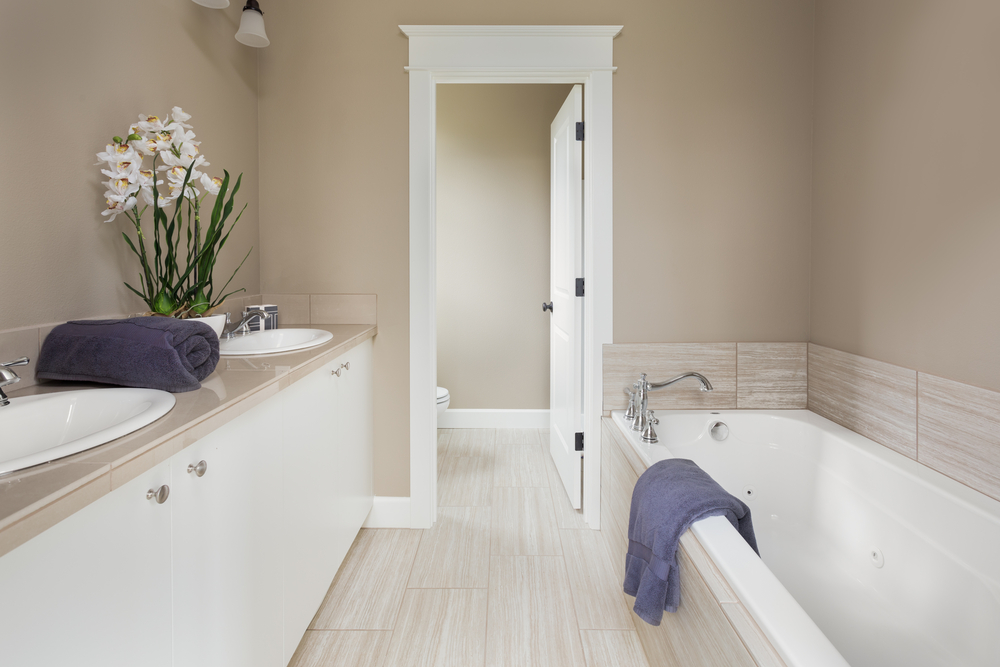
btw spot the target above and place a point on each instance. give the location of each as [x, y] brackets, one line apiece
[389, 512]
[482, 418]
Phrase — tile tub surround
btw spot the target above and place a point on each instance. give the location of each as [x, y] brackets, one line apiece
[753, 376]
[951, 427]
[35, 499]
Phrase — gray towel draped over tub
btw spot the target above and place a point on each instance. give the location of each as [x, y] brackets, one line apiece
[669, 497]
[150, 352]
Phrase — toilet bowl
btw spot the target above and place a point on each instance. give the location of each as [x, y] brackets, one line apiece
[443, 399]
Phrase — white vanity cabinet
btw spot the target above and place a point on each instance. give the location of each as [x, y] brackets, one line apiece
[226, 544]
[229, 570]
[327, 479]
[93, 590]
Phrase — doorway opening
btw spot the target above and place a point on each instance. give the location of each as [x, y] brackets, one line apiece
[506, 54]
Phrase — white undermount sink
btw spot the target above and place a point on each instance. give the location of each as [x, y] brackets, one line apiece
[273, 341]
[45, 427]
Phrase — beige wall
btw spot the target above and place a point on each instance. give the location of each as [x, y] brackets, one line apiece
[493, 243]
[713, 107]
[74, 74]
[907, 207]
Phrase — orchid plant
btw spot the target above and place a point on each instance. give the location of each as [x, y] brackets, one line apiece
[175, 277]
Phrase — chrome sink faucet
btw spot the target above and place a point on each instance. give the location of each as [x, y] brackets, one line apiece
[243, 328]
[639, 399]
[9, 377]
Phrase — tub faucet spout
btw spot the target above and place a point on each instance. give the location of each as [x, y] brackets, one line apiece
[639, 398]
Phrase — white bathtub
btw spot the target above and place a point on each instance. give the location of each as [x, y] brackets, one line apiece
[867, 557]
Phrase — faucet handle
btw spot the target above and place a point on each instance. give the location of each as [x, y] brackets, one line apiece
[649, 433]
[23, 361]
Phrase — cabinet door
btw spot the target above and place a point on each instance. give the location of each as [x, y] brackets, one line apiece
[356, 425]
[95, 588]
[226, 545]
[309, 515]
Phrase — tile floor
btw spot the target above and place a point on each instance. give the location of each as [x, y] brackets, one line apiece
[509, 574]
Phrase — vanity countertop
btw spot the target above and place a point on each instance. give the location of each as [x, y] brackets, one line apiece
[34, 499]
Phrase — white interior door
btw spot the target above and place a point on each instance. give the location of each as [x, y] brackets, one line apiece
[566, 328]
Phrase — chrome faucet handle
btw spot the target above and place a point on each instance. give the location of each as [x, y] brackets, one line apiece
[23, 361]
[649, 433]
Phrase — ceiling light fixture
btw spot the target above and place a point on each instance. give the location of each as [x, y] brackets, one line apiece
[251, 30]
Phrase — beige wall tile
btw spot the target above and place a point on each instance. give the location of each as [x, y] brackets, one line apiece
[698, 633]
[959, 432]
[465, 481]
[342, 309]
[523, 523]
[520, 465]
[594, 582]
[15, 344]
[696, 553]
[368, 588]
[764, 654]
[771, 376]
[455, 553]
[344, 648]
[876, 399]
[621, 648]
[293, 309]
[661, 361]
[444, 628]
[531, 618]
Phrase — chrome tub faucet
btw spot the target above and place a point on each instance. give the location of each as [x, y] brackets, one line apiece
[9, 377]
[638, 409]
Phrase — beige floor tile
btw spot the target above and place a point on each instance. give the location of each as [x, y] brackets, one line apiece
[596, 588]
[465, 481]
[471, 442]
[566, 516]
[531, 617]
[342, 648]
[369, 586]
[455, 553]
[519, 465]
[440, 628]
[523, 523]
[613, 648]
[444, 439]
[518, 436]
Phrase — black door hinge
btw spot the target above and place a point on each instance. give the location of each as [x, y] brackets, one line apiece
[579, 286]
[579, 131]
[579, 442]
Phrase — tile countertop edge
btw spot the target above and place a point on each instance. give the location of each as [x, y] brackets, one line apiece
[13, 532]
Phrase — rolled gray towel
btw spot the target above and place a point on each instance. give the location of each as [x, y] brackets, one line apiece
[669, 497]
[150, 352]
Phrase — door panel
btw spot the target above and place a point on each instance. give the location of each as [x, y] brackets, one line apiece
[566, 328]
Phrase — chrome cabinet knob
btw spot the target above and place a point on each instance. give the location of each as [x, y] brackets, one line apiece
[199, 468]
[347, 366]
[160, 495]
[338, 371]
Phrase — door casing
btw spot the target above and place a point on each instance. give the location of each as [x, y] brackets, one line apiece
[507, 54]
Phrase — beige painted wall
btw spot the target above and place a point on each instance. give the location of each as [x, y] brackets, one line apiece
[493, 243]
[907, 207]
[713, 108]
[75, 74]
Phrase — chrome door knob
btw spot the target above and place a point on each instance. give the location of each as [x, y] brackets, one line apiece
[547, 306]
[160, 495]
[199, 468]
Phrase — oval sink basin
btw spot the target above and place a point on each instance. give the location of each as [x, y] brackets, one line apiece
[274, 341]
[42, 428]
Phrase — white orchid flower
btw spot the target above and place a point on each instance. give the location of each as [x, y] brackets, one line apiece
[120, 197]
[128, 169]
[163, 141]
[152, 124]
[175, 179]
[180, 117]
[145, 181]
[116, 153]
[211, 184]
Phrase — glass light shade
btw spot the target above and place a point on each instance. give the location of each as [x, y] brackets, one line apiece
[251, 30]
[213, 4]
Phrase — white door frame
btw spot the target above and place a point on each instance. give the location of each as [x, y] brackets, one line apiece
[506, 54]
